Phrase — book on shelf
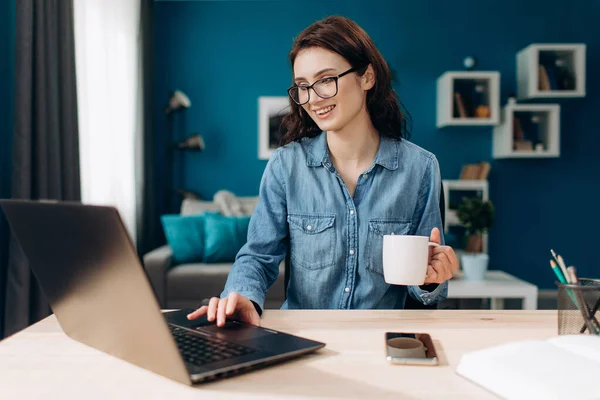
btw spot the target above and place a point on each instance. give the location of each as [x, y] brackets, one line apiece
[543, 81]
[554, 73]
[478, 171]
[517, 129]
[523, 145]
[460, 109]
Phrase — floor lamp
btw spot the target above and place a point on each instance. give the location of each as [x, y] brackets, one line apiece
[178, 102]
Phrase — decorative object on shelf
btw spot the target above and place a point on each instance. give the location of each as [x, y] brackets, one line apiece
[194, 143]
[177, 101]
[551, 71]
[455, 190]
[271, 110]
[478, 171]
[470, 63]
[528, 131]
[468, 98]
[477, 216]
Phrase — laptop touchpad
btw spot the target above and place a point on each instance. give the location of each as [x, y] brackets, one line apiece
[233, 330]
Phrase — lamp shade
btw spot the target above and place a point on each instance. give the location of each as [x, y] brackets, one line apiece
[194, 142]
[178, 100]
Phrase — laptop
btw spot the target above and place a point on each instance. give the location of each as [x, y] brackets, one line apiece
[92, 277]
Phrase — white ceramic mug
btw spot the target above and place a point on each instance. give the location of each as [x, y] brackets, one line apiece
[405, 259]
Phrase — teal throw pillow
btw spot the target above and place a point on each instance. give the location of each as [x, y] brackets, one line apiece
[224, 237]
[185, 236]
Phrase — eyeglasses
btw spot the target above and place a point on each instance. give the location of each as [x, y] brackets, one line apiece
[325, 88]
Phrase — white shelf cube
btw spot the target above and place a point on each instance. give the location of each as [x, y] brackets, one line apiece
[450, 185]
[548, 131]
[451, 82]
[528, 70]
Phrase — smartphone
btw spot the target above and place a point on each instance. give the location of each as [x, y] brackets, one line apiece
[404, 348]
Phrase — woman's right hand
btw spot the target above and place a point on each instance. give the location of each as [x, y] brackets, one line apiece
[234, 306]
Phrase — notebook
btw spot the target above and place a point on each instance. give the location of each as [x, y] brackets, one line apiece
[563, 367]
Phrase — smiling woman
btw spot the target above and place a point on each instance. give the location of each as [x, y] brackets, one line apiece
[345, 176]
[325, 52]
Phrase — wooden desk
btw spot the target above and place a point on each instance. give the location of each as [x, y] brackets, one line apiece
[42, 361]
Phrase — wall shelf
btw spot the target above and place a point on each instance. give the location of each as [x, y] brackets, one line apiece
[551, 71]
[468, 98]
[528, 131]
[454, 191]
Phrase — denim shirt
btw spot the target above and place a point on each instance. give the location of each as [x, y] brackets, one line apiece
[335, 239]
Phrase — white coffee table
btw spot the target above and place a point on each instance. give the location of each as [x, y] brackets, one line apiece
[497, 286]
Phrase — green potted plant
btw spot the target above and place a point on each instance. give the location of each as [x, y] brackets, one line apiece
[477, 216]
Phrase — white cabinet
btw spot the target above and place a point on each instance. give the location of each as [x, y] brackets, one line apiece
[454, 191]
[528, 131]
[468, 98]
[551, 71]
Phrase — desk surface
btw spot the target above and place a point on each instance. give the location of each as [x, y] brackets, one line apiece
[42, 361]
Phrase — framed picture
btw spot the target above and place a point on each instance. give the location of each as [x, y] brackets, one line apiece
[271, 110]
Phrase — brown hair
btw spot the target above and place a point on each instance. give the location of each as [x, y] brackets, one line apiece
[344, 37]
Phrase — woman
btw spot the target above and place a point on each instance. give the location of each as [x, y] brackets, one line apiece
[344, 177]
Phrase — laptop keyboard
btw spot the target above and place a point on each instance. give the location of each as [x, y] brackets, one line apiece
[200, 350]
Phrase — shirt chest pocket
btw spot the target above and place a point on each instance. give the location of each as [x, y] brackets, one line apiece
[312, 240]
[374, 248]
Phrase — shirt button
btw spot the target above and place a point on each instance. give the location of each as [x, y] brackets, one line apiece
[351, 251]
[351, 212]
[365, 176]
[309, 228]
[347, 290]
[327, 164]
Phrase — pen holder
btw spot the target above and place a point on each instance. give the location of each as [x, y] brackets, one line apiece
[578, 307]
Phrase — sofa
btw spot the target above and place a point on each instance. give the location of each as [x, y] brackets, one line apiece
[188, 285]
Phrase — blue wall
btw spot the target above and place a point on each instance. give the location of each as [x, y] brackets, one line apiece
[224, 54]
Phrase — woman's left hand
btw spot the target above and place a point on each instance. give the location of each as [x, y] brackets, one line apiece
[443, 262]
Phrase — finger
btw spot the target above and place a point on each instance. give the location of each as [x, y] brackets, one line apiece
[431, 275]
[453, 259]
[232, 303]
[221, 311]
[198, 313]
[450, 254]
[212, 309]
[443, 257]
[253, 317]
[442, 271]
[441, 249]
[435, 236]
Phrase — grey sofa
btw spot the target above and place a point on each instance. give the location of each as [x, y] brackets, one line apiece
[187, 285]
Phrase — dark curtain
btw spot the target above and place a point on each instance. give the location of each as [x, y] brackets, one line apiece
[147, 221]
[45, 142]
[7, 64]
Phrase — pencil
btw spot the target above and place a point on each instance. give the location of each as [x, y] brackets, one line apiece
[553, 254]
[563, 268]
[557, 271]
[582, 304]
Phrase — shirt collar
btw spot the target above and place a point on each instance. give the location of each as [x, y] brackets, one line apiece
[387, 154]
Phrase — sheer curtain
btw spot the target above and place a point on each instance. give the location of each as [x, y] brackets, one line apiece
[108, 94]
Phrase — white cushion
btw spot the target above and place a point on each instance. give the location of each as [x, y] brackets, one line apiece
[232, 205]
[194, 207]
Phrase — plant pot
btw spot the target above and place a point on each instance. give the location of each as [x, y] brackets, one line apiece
[474, 266]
